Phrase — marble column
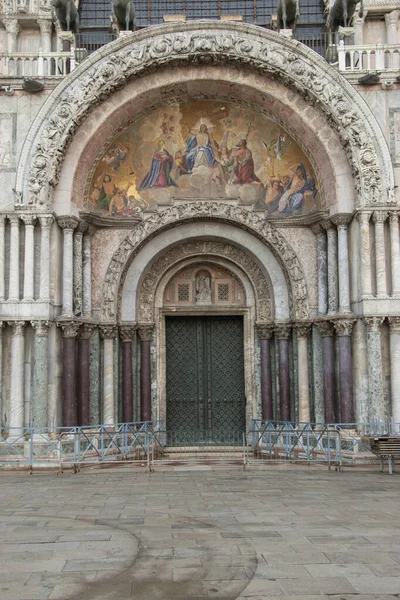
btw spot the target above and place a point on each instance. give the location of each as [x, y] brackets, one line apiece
[17, 411]
[127, 334]
[328, 350]
[69, 408]
[39, 410]
[392, 19]
[265, 332]
[2, 258]
[86, 275]
[68, 224]
[302, 330]
[13, 29]
[342, 221]
[108, 334]
[394, 325]
[83, 377]
[282, 334]
[379, 219]
[343, 330]
[376, 406]
[322, 269]
[366, 287]
[45, 33]
[45, 226]
[14, 258]
[358, 25]
[29, 257]
[78, 268]
[2, 408]
[333, 299]
[145, 334]
[395, 252]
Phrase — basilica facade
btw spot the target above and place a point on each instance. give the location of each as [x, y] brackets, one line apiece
[200, 225]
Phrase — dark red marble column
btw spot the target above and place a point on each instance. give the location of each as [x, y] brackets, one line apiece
[265, 332]
[282, 334]
[69, 409]
[127, 333]
[83, 379]
[344, 329]
[330, 393]
[145, 334]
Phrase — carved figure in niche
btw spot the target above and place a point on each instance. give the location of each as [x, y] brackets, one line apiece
[244, 165]
[288, 14]
[67, 14]
[293, 198]
[203, 288]
[123, 13]
[159, 175]
[200, 148]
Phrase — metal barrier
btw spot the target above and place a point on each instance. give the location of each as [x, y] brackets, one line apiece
[73, 447]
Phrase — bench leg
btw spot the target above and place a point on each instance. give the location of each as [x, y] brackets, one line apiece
[390, 459]
[382, 465]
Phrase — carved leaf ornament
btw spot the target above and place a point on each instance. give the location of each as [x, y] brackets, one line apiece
[205, 43]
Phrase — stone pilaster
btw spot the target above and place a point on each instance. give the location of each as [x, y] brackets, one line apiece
[145, 331]
[69, 410]
[376, 407]
[392, 20]
[342, 221]
[2, 257]
[329, 376]
[322, 269]
[83, 376]
[14, 257]
[29, 256]
[68, 224]
[45, 225]
[379, 218]
[302, 331]
[394, 325]
[13, 29]
[39, 410]
[78, 265]
[108, 333]
[366, 288]
[265, 332]
[16, 418]
[87, 275]
[127, 333]
[45, 33]
[333, 298]
[282, 334]
[395, 252]
[344, 330]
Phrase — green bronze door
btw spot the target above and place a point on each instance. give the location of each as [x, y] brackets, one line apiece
[205, 380]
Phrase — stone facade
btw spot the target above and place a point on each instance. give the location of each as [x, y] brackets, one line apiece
[84, 295]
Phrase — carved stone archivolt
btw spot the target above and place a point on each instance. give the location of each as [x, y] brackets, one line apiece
[157, 222]
[203, 249]
[204, 43]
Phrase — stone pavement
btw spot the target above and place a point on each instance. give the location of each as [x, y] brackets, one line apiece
[280, 533]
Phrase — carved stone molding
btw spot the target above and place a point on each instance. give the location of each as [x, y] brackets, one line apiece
[373, 324]
[127, 332]
[18, 327]
[342, 220]
[46, 221]
[198, 210]
[68, 222]
[86, 330]
[46, 26]
[326, 328]
[29, 220]
[145, 331]
[265, 330]
[69, 328]
[282, 330]
[394, 324]
[344, 327]
[379, 216]
[206, 248]
[108, 332]
[391, 18]
[41, 328]
[194, 43]
[302, 330]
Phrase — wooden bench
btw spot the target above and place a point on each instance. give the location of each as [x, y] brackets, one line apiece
[386, 447]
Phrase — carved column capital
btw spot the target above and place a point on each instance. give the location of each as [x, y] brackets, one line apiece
[264, 330]
[82, 227]
[364, 217]
[18, 327]
[326, 328]
[359, 20]
[14, 219]
[343, 327]
[2, 325]
[317, 229]
[282, 330]
[127, 332]
[342, 219]
[108, 331]
[12, 26]
[46, 221]
[69, 328]
[394, 218]
[68, 222]
[29, 220]
[373, 324]
[392, 17]
[327, 225]
[301, 329]
[86, 330]
[145, 331]
[379, 216]
[41, 328]
[45, 26]
[394, 324]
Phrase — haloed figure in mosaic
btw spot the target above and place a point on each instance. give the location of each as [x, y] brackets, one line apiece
[159, 175]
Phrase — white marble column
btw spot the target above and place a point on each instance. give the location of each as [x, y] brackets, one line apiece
[376, 408]
[45, 224]
[379, 219]
[13, 293]
[87, 275]
[395, 252]
[39, 411]
[45, 32]
[68, 224]
[29, 257]
[13, 29]
[392, 19]
[358, 25]
[322, 269]
[302, 331]
[2, 258]
[16, 416]
[366, 287]
[333, 300]
[78, 267]
[342, 221]
[394, 325]
[2, 421]
[108, 334]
